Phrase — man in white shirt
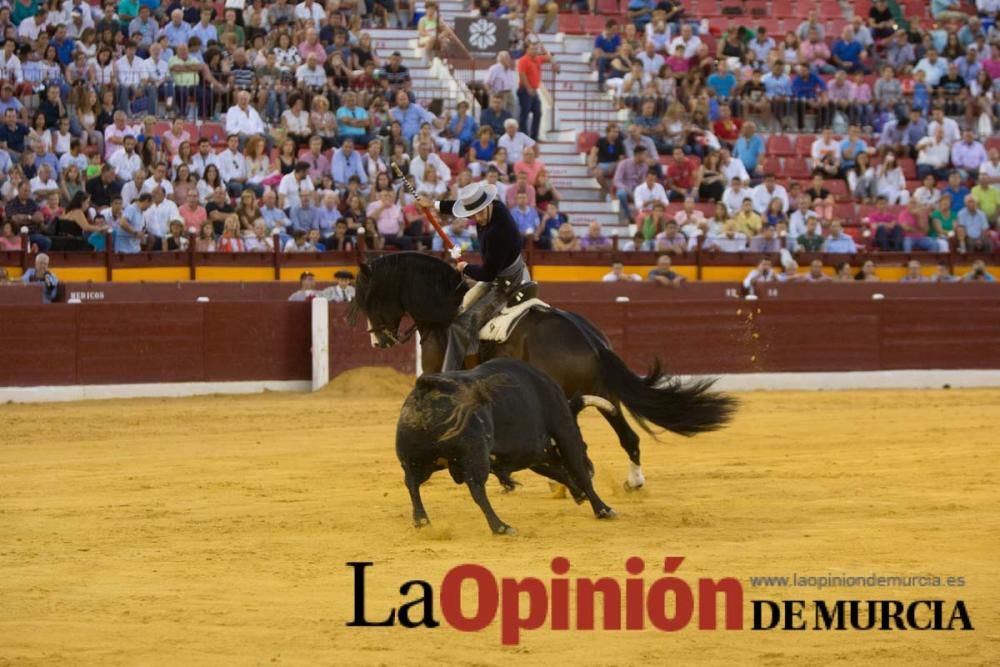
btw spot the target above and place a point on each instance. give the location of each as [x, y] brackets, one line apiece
[734, 195]
[310, 11]
[73, 156]
[126, 161]
[294, 185]
[825, 154]
[952, 133]
[933, 66]
[424, 159]
[158, 71]
[513, 141]
[159, 180]
[765, 192]
[10, 64]
[233, 166]
[42, 185]
[989, 171]
[650, 59]
[688, 40]
[728, 240]
[204, 157]
[157, 218]
[310, 73]
[732, 167]
[502, 79]
[29, 28]
[133, 76]
[648, 191]
[242, 119]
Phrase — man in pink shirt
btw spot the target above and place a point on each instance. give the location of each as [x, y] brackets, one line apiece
[815, 52]
[389, 220]
[529, 164]
[311, 45]
[114, 134]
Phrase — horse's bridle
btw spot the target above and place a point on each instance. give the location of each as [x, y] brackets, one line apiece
[391, 335]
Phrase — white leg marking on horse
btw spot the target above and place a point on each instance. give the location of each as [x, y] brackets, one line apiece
[635, 476]
[372, 335]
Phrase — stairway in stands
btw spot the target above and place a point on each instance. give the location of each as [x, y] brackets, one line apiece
[579, 107]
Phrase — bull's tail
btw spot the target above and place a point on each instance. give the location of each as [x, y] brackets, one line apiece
[685, 408]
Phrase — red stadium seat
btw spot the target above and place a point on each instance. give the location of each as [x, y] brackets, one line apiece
[845, 211]
[162, 127]
[594, 24]
[586, 140]
[797, 169]
[215, 133]
[838, 189]
[608, 8]
[909, 167]
[783, 8]
[779, 145]
[571, 24]
[803, 144]
[772, 165]
[454, 162]
[993, 142]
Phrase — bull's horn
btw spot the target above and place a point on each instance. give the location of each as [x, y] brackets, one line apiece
[602, 404]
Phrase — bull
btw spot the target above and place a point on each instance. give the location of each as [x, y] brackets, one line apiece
[499, 417]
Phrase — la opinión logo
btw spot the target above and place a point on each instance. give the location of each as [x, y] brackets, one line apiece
[667, 603]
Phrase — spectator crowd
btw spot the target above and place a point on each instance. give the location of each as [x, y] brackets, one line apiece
[892, 121]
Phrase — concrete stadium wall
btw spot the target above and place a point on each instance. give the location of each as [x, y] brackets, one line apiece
[141, 334]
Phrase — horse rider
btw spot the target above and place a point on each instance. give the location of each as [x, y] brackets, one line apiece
[502, 270]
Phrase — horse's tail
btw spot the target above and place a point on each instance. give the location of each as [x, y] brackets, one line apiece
[685, 408]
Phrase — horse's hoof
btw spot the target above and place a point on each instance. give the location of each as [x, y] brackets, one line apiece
[421, 522]
[606, 513]
[630, 488]
[504, 529]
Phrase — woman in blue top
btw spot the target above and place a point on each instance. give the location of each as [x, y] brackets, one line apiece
[481, 152]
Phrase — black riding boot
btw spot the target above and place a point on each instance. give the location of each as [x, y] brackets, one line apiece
[463, 334]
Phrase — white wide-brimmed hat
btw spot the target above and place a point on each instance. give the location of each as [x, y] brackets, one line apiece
[473, 198]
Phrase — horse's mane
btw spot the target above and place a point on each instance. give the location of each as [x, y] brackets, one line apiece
[429, 289]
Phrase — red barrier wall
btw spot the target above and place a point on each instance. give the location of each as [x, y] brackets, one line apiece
[697, 329]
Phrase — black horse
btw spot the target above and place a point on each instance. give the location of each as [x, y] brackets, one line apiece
[564, 345]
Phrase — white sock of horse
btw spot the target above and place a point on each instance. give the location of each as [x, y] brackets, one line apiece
[635, 476]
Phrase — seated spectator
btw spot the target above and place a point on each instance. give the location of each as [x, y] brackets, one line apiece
[649, 191]
[747, 220]
[765, 192]
[943, 274]
[460, 233]
[426, 160]
[617, 274]
[815, 274]
[825, 155]
[307, 287]
[595, 238]
[913, 221]
[566, 239]
[842, 273]
[988, 198]
[628, 175]
[764, 273]
[525, 216]
[40, 274]
[520, 186]
[682, 176]
[481, 151]
[605, 155]
[729, 239]
[934, 156]
[867, 273]
[766, 241]
[671, 241]
[389, 220]
[838, 242]
[973, 221]
[733, 196]
[957, 190]
[811, 238]
[978, 273]
[913, 274]
[749, 148]
[514, 141]
[495, 116]
[883, 223]
[530, 164]
[968, 155]
[664, 275]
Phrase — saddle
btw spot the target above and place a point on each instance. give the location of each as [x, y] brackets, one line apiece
[499, 328]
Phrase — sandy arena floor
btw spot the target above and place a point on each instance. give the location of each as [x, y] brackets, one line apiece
[215, 530]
